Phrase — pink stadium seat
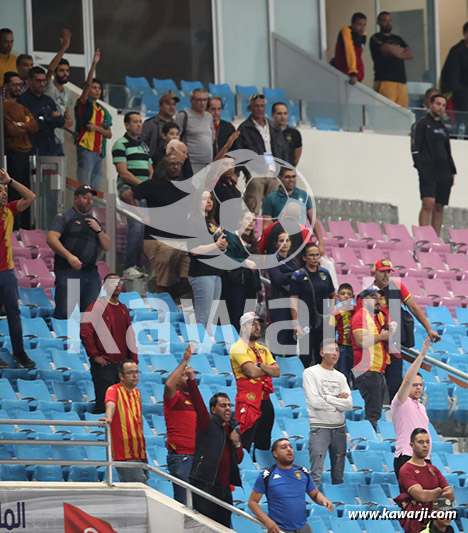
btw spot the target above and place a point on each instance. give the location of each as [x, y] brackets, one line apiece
[27, 282]
[370, 231]
[404, 263]
[433, 263]
[399, 234]
[459, 240]
[428, 241]
[458, 263]
[370, 256]
[460, 291]
[348, 262]
[344, 233]
[436, 288]
[329, 242]
[21, 251]
[37, 238]
[103, 269]
[354, 281]
[417, 293]
[37, 270]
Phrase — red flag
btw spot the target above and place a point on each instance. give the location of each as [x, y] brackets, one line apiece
[77, 521]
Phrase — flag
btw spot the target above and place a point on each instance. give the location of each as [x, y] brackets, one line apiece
[77, 521]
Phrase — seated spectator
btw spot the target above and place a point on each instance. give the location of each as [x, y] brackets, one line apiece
[340, 320]
[197, 130]
[441, 524]
[223, 129]
[44, 110]
[152, 127]
[7, 59]
[92, 127]
[287, 192]
[209, 241]
[242, 283]
[349, 47]
[421, 483]
[24, 64]
[265, 138]
[226, 187]
[108, 338]
[292, 136]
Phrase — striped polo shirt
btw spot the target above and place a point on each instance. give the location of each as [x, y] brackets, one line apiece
[7, 217]
[136, 154]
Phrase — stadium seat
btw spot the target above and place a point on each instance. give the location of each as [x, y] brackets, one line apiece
[399, 234]
[340, 494]
[317, 524]
[459, 240]
[372, 232]
[6, 390]
[86, 474]
[404, 264]
[39, 335]
[326, 124]
[36, 301]
[427, 240]
[67, 391]
[348, 262]
[369, 461]
[432, 262]
[189, 86]
[437, 401]
[378, 526]
[344, 233]
[239, 523]
[33, 390]
[457, 263]
[344, 524]
[363, 437]
[293, 398]
[13, 473]
[47, 473]
[166, 84]
[36, 238]
[436, 289]
[246, 90]
[291, 368]
[369, 256]
[136, 81]
[225, 334]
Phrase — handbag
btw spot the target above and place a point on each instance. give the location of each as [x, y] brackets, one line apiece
[407, 329]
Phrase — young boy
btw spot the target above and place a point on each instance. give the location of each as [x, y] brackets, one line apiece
[169, 131]
[341, 319]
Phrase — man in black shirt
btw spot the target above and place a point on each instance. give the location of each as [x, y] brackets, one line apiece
[454, 75]
[432, 156]
[226, 188]
[292, 136]
[389, 53]
[167, 260]
[76, 237]
[223, 128]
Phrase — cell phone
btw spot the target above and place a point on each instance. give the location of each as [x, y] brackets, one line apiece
[218, 233]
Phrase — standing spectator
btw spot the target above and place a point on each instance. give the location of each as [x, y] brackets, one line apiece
[133, 163]
[253, 367]
[209, 242]
[59, 68]
[92, 128]
[218, 452]
[292, 136]
[389, 53]
[274, 203]
[242, 283]
[76, 238]
[432, 156]
[123, 411]
[181, 422]
[285, 492]
[152, 127]
[454, 75]
[108, 338]
[369, 334]
[169, 132]
[328, 397]
[395, 295]
[179, 149]
[441, 524]
[314, 286]
[421, 483]
[340, 320]
[24, 63]
[167, 260]
[349, 47]
[19, 122]
[226, 187]
[223, 129]
[197, 130]
[44, 142]
[8, 282]
[265, 138]
[408, 412]
[7, 59]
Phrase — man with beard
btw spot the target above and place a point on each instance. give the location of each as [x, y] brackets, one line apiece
[226, 187]
[389, 53]
[7, 59]
[76, 238]
[24, 64]
[253, 367]
[104, 333]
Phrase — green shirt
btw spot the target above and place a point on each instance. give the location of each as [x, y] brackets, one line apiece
[275, 201]
[137, 156]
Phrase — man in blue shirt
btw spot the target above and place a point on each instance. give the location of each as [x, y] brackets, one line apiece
[285, 486]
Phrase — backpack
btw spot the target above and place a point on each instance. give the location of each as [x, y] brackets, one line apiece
[268, 471]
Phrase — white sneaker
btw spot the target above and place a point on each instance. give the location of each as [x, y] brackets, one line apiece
[132, 273]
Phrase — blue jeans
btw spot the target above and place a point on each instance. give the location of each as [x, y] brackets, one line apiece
[135, 235]
[179, 465]
[89, 170]
[206, 294]
[346, 360]
[9, 298]
[90, 286]
[322, 440]
[135, 475]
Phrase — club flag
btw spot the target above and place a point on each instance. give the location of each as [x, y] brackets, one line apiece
[77, 521]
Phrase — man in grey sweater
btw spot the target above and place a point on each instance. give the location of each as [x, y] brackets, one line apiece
[328, 397]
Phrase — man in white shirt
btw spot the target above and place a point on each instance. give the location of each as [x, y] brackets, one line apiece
[328, 397]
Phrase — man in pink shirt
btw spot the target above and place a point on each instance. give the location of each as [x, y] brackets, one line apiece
[408, 413]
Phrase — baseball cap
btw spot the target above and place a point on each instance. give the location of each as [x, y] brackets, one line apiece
[370, 291]
[442, 504]
[167, 97]
[383, 264]
[253, 97]
[249, 317]
[83, 189]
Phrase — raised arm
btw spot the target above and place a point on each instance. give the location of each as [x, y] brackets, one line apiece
[170, 387]
[406, 384]
[27, 196]
[64, 45]
[89, 79]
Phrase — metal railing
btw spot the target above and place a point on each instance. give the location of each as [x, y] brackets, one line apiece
[109, 463]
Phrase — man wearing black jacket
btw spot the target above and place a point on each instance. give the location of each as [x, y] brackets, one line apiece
[218, 452]
[430, 148]
[262, 136]
[454, 75]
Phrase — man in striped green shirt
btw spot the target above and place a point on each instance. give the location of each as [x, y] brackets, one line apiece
[131, 157]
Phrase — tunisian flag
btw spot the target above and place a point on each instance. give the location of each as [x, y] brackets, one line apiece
[77, 521]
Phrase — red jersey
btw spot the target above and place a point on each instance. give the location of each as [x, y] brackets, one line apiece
[7, 218]
[341, 320]
[405, 295]
[181, 423]
[128, 442]
[374, 358]
[348, 53]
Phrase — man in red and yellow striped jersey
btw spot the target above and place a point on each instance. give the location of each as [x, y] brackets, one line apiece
[8, 281]
[123, 413]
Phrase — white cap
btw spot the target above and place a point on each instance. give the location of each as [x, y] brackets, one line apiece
[249, 317]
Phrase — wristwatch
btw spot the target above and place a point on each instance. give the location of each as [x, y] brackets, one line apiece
[259, 364]
[99, 230]
[237, 445]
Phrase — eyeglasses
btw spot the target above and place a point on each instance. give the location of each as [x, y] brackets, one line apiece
[175, 164]
[256, 97]
[418, 384]
[132, 373]
[116, 282]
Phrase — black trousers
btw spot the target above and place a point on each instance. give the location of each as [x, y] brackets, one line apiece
[394, 377]
[210, 509]
[18, 168]
[260, 432]
[372, 386]
[309, 346]
[103, 378]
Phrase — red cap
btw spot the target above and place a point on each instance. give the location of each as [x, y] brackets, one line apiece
[383, 264]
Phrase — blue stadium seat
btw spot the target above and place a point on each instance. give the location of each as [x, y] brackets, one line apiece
[163, 302]
[13, 473]
[85, 474]
[246, 90]
[461, 413]
[195, 333]
[373, 496]
[240, 523]
[133, 300]
[437, 401]
[327, 123]
[357, 412]
[340, 494]
[36, 300]
[47, 473]
[292, 368]
[33, 415]
[297, 431]
[163, 364]
[188, 86]
[226, 334]
[293, 398]
[317, 524]
[223, 366]
[136, 81]
[71, 430]
[363, 436]
[33, 390]
[378, 526]
[66, 362]
[67, 390]
[33, 451]
[458, 463]
[275, 95]
[39, 335]
[217, 89]
[49, 408]
[383, 478]
[344, 524]
[6, 390]
[461, 314]
[369, 461]
[165, 84]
